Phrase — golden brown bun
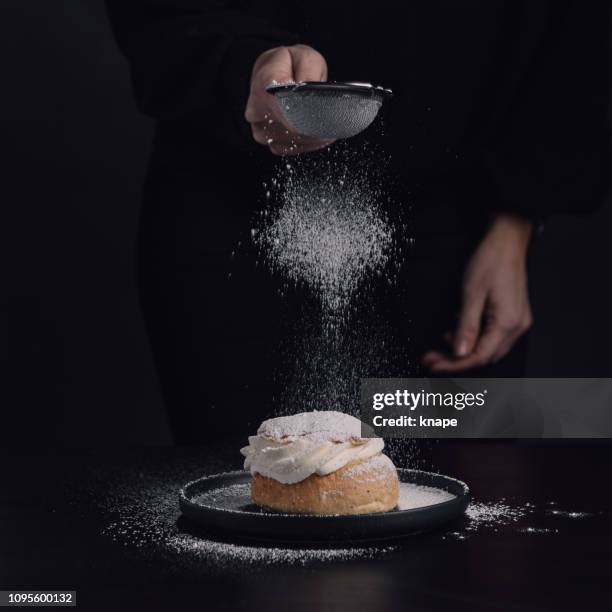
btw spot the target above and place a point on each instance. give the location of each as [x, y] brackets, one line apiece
[359, 487]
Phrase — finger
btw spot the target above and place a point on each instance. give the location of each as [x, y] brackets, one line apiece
[452, 364]
[278, 68]
[483, 354]
[446, 362]
[308, 64]
[432, 357]
[275, 66]
[469, 324]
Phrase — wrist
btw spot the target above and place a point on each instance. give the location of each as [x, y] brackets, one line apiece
[512, 229]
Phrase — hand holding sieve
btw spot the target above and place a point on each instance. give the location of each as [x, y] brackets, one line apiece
[328, 109]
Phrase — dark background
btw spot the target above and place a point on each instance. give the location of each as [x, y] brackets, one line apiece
[73, 152]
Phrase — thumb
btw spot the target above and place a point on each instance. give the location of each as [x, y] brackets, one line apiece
[272, 65]
[278, 66]
[308, 64]
[468, 328]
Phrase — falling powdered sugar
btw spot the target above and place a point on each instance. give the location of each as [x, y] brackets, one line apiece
[326, 231]
[333, 237]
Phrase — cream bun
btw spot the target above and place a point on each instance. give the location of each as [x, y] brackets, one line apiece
[318, 462]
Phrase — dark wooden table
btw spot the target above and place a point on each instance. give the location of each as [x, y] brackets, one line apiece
[53, 515]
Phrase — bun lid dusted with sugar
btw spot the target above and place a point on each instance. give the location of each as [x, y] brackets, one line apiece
[291, 448]
[315, 426]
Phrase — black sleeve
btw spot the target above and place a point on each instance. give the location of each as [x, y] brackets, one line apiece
[553, 151]
[192, 60]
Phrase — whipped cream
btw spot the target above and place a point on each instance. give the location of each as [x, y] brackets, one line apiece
[290, 449]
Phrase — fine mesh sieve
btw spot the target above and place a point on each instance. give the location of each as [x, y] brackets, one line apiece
[327, 109]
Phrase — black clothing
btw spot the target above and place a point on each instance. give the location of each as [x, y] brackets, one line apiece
[498, 105]
[513, 92]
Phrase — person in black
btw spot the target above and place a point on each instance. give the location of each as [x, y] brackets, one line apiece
[498, 120]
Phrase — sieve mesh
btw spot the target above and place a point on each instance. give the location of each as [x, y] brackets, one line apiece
[329, 110]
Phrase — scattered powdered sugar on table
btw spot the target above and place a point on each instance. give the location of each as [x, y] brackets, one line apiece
[488, 516]
[144, 518]
[146, 513]
[493, 514]
[538, 530]
[224, 554]
[570, 514]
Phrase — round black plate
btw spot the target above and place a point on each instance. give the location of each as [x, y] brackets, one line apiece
[221, 503]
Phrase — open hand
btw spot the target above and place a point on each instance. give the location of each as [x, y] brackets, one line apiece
[495, 309]
[282, 64]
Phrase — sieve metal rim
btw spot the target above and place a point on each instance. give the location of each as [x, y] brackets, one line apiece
[331, 87]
